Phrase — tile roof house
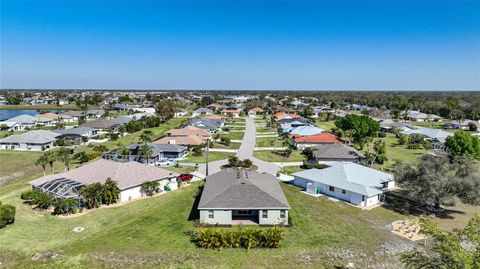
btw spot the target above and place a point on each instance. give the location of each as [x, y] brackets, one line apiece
[232, 112]
[129, 177]
[101, 124]
[336, 152]
[214, 106]
[78, 131]
[282, 115]
[357, 184]
[188, 141]
[27, 121]
[252, 113]
[314, 140]
[418, 116]
[215, 117]
[35, 140]
[56, 117]
[234, 196]
[189, 130]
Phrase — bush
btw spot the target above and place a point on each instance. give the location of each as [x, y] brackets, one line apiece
[225, 141]
[65, 206]
[320, 166]
[239, 238]
[38, 198]
[415, 146]
[382, 134]
[7, 215]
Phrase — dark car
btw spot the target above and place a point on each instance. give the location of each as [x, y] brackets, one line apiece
[185, 177]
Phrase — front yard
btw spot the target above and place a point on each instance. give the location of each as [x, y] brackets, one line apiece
[277, 156]
[233, 135]
[269, 142]
[212, 156]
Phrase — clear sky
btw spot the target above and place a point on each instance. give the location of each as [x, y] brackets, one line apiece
[381, 45]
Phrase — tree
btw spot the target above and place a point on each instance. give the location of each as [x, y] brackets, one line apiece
[395, 113]
[287, 143]
[456, 249]
[308, 152]
[111, 191]
[65, 206]
[82, 120]
[165, 109]
[197, 150]
[380, 151]
[149, 187]
[3, 127]
[92, 194]
[145, 151]
[146, 136]
[435, 180]
[133, 126]
[358, 127]
[403, 139]
[463, 144]
[123, 151]
[51, 157]
[64, 155]
[472, 127]
[307, 111]
[43, 161]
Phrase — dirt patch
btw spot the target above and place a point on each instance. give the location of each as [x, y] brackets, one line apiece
[5, 179]
[409, 229]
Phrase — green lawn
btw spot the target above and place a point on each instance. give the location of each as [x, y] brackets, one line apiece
[277, 156]
[233, 145]
[398, 152]
[234, 121]
[212, 156]
[265, 130]
[152, 232]
[180, 169]
[269, 142]
[291, 169]
[327, 125]
[234, 135]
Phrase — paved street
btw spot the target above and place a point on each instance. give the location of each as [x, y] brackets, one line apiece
[244, 152]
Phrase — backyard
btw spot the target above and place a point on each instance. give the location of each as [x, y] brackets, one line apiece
[153, 232]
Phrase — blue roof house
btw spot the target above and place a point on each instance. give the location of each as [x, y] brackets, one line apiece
[354, 183]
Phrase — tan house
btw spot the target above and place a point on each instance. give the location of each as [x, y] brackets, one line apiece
[188, 141]
[189, 131]
[56, 117]
[252, 113]
[231, 112]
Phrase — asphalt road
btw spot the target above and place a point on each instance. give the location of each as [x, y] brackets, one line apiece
[244, 152]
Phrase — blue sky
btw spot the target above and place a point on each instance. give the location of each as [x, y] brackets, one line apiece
[381, 45]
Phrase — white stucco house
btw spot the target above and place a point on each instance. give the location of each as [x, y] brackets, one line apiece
[354, 183]
[35, 140]
[128, 175]
[234, 196]
[202, 112]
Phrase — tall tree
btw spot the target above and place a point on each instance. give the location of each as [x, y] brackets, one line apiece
[123, 151]
[43, 161]
[92, 194]
[358, 127]
[463, 144]
[146, 136]
[51, 158]
[64, 155]
[146, 152]
[165, 109]
[111, 191]
[435, 180]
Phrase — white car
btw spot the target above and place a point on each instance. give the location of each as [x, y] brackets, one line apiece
[165, 163]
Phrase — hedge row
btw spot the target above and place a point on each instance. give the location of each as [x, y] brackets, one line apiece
[240, 238]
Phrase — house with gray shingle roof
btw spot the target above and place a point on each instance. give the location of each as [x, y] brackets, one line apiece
[36, 140]
[234, 196]
[128, 175]
[357, 184]
[202, 112]
[159, 152]
[336, 152]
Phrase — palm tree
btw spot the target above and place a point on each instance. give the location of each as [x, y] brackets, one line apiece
[51, 157]
[111, 191]
[149, 187]
[145, 151]
[123, 151]
[146, 136]
[42, 160]
[287, 143]
[63, 154]
[92, 194]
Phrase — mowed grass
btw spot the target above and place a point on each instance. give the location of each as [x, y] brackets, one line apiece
[265, 130]
[327, 125]
[291, 169]
[212, 156]
[277, 156]
[153, 232]
[397, 152]
[233, 135]
[180, 169]
[269, 142]
[233, 145]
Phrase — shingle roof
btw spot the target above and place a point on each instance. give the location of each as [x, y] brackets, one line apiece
[188, 130]
[75, 131]
[335, 151]
[348, 176]
[127, 175]
[35, 136]
[203, 110]
[306, 130]
[122, 120]
[24, 119]
[73, 113]
[158, 148]
[428, 132]
[242, 189]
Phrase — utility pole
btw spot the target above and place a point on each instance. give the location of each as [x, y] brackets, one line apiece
[206, 157]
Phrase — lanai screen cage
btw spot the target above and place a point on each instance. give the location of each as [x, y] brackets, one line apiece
[61, 188]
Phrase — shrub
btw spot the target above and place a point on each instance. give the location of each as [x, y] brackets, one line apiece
[320, 166]
[415, 146]
[382, 134]
[38, 198]
[225, 141]
[150, 187]
[65, 206]
[7, 215]
[239, 238]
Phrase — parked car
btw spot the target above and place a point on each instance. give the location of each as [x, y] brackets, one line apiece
[185, 177]
[165, 163]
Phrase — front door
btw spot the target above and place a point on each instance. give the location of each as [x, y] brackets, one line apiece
[318, 190]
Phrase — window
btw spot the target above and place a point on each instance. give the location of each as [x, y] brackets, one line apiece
[210, 214]
[363, 198]
[331, 188]
[264, 214]
[344, 191]
[282, 214]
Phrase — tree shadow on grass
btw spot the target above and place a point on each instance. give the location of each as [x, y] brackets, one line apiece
[399, 202]
[194, 213]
